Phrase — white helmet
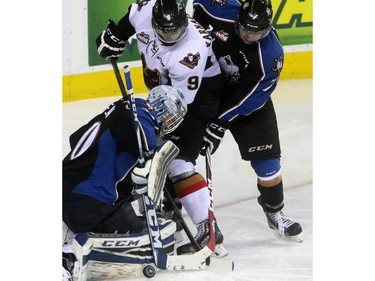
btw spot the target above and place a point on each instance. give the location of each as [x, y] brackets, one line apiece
[169, 105]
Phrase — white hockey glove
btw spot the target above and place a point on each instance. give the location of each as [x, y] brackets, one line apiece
[140, 178]
[109, 43]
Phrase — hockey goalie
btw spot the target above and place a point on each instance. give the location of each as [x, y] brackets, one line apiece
[105, 238]
[109, 256]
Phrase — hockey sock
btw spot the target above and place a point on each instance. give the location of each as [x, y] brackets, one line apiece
[194, 196]
[271, 197]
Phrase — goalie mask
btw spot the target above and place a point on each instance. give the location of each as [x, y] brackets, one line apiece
[254, 20]
[169, 105]
[169, 20]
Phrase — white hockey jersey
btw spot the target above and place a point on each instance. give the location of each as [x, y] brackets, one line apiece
[182, 64]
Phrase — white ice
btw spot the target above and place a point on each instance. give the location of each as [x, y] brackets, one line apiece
[257, 253]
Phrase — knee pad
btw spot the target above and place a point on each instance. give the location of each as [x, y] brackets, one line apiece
[180, 169]
[267, 169]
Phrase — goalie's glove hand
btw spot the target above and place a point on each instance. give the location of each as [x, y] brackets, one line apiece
[109, 43]
[213, 135]
[140, 178]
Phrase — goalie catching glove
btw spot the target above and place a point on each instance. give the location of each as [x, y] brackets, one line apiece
[109, 43]
[140, 178]
[213, 135]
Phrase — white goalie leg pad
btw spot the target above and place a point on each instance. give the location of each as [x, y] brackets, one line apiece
[111, 256]
[158, 171]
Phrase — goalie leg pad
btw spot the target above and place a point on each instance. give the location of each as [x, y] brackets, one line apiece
[101, 255]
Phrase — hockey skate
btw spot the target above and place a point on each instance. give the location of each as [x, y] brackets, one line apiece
[284, 228]
[202, 238]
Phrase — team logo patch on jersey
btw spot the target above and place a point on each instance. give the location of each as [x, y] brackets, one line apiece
[230, 69]
[221, 35]
[279, 65]
[143, 37]
[227, 65]
[191, 60]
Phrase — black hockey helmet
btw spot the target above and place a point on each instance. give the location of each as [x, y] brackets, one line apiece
[255, 17]
[169, 20]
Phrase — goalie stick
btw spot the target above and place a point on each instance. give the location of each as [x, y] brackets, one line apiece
[159, 254]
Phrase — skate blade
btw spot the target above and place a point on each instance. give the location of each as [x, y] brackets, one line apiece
[297, 238]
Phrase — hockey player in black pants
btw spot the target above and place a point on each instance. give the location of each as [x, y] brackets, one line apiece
[251, 55]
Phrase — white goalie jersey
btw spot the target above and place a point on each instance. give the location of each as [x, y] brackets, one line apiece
[182, 64]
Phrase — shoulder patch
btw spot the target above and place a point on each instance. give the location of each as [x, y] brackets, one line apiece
[278, 65]
[221, 35]
[191, 60]
[143, 37]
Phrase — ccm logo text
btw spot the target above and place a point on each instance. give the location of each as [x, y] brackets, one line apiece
[260, 147]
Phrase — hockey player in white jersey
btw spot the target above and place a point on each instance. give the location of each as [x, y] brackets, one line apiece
[175, 50]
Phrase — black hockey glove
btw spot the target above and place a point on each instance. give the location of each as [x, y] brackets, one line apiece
[109, 43]
[214, 134]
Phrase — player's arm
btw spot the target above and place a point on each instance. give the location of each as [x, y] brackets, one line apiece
[200, 15]
[240, 98]
[248, 96]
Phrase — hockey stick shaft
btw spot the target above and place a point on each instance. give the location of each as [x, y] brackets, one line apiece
[211, 243]
[209, 177]
[159, 254]
[119, 79]
[129, 87]
[129, 96]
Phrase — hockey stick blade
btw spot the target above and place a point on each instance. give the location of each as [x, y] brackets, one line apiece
[199, 260]
[189, 262]
[216, 264]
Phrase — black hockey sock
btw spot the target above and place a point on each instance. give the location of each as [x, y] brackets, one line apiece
[271, 198]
